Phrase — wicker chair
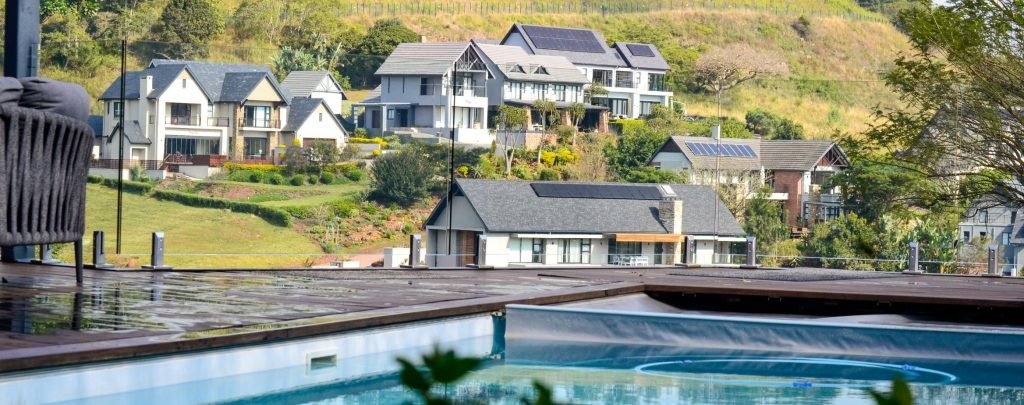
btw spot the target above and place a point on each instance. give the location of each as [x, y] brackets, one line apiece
[44, 162]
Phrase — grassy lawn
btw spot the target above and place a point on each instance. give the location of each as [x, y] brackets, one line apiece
[189, 230]
[281, 196]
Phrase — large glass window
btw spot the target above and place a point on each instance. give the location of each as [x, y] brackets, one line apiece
[619, 250]
[257, 116]
[542, 90]
[624, 79]
[255, 148]
[191, 146]
[559, 92]
[526, 250]
[656, 82]
[574, 251]
[181, 114]
[616, 106]
[647, 106]
[516, 90]
[426, 87]
[603, 77]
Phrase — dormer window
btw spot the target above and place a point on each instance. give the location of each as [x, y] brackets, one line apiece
[540, 70]
[518, 69]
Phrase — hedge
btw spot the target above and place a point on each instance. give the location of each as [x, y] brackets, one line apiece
[272, 215]
[377, 141]
[134, 187]
[232, 167]
[626, 127]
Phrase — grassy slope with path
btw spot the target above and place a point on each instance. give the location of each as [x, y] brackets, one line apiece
[190, 230]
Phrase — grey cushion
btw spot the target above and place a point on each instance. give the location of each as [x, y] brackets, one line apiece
[10, 91]
[67, 99]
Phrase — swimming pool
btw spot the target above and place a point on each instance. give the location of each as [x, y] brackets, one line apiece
[586, 355]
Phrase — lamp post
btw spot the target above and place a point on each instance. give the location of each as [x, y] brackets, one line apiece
[716, 133]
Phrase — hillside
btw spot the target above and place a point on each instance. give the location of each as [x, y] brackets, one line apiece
[835, 64]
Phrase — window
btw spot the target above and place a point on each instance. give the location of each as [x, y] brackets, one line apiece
[321, 117]
[982, 235]
[624, 79]
[255, 148]
[209, 110]
[617, 106]
[574, 251]
[117, 109]
[967, 236]
[1013, 217]
[1006, 239]
[542, 90]
[647, 106]
[618, 250]
[537, 254]
[257, 116]
[516, 90]
[559, 92]
[183, 83]
[603, 77]
[191, 146]
[426, 87]
[659, 253]
[656, 82]
[540, 70]
[388, 79]
[526, 250]
[181, 114]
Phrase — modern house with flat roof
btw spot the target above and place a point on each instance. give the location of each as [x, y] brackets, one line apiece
[797, 171]
[579, 224]
[633, 74]
[431, 88]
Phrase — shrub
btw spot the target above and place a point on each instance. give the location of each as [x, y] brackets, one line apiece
[375, 153]
[521, 171]
[402, 178]
[312, 179]
[297, 180]
[133, 187]
[355, 175]
[626, 127]
[549, 175]
[802, 26]
[377, 141]
[274, 178]
[240, 176]
[360, 133]
[327, 178]
[256, 177]
[345, 209]
[271, 215]
[233, 167]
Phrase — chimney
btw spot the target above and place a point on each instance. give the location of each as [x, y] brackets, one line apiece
[145, 86]
[670, 210]
[716, 131]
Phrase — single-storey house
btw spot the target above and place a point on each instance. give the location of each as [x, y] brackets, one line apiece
[579, 224]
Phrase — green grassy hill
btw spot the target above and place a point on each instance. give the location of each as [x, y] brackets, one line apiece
[835, 66]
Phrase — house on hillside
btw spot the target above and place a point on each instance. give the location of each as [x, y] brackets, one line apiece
[580, 224]
[521, 79]
[316, 84]
[797, 171]
[193, 116]
[311, 120]
[990, 220]
[431, 88]
[633, 74]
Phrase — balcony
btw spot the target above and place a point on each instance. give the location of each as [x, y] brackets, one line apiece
[470, 91]
[624, 80]
[218, 121]
[255, 123]
[182, 120]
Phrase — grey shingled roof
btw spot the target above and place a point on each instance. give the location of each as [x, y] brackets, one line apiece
[513, 206]
[433, 59]
[506, 58]
[723, 162]
[609, 57]
[133, 134]
[96, 123]
[794, 155]
[301, 83]
[657, 62]
[301, 108]
[211, 78]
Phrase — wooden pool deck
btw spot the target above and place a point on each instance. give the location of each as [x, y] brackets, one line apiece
[46, 320]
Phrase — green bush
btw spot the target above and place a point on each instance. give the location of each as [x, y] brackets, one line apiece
[236, 167]
[274, 178]
[297, 180]
[240, 175]
[256, 177]
[549, 175]
[402, 178]
[345, 209]
[272, 215]
[626, 127]
[355, 175]
[521, 171]
[312, 179]
[327, 178]
[133, 187]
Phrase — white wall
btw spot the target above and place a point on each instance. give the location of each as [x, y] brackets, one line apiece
[322, 125]
[674, 161]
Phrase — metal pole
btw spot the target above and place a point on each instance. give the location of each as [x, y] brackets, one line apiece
[120, 146]
[716, 132]
[451, 160]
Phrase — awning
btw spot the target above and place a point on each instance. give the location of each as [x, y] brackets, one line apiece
[648, 237]
[556, 236]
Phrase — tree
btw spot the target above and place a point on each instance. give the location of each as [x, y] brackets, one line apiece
[576, 113]
[511, 121]
[547, 109]
[380, 40]
[763, 219]
[648, 174]
[258, 19]
[728, 67]
[402, 178]
[773, 127]
[961, 118]
[633, 151]
[323, 154]
[188, 26]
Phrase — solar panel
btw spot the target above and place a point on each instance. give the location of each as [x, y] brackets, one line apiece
[564, 39]
[640, 50]
[726, 150]
[596, 191]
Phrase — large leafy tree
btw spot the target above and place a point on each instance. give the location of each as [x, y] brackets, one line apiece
[632, 151]
[403, 178]
[187, 26]
[728, 67]
[367, 55]
[961, 122]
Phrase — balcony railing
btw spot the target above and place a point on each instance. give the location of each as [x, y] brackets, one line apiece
[184, 120]
[624, 81]
[603, 81]
[470, 91]
[655, 86]
[218, 121]
[253, 123]
[128, 163]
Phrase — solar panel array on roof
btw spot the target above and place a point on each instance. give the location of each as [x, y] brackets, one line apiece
[640, 50]
[564, 39]
[729, 150]
[596, 191]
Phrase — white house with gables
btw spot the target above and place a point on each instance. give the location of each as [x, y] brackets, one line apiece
[433, 88]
